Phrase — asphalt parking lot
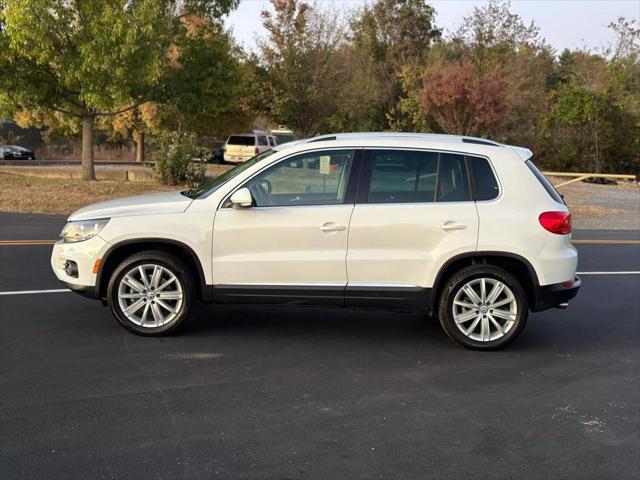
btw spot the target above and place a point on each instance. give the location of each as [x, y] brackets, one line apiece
[275, 393]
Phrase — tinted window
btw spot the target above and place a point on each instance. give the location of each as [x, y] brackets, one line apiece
[314, 178]
[262, 140]
[453, 185]
[402, 176]
[553, 193]
[245, 140]
[405, 176]
[484, 181]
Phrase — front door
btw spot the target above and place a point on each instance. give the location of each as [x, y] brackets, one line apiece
[414, 208]
[291, 244]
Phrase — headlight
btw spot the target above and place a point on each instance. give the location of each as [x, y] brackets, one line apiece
[82, 230]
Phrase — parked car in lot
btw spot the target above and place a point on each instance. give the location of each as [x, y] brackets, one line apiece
[283, 134]
[463, 228]
[240, 147]
[14, 152]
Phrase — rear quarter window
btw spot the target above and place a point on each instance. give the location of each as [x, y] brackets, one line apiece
[484, 180]
[546, 184]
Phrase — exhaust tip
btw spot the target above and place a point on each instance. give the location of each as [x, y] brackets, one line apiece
[562, 306]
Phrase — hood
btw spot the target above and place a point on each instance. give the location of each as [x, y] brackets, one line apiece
[170, 202]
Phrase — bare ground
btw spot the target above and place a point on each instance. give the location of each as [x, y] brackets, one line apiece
[63, 196]
[610, 207]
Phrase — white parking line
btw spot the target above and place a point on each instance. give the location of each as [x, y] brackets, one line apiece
[609, 273]
[29, 292]
[66, 290]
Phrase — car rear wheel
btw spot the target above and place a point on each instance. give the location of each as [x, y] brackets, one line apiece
[483, 307]
[151, 293]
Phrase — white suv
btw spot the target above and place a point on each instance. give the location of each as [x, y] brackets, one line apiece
[241, 147]
[463, 228]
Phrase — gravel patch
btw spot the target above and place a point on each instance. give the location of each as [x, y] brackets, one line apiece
[612, 207]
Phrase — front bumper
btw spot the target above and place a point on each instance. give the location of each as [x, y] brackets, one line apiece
[550, 296]
[84, 254]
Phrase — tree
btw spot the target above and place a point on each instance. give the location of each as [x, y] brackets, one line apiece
[93, 59]
[390, 40]
[297, 66]
[463, 101]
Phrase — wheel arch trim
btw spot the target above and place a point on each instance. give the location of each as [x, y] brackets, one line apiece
[440, 276]
[204, 292]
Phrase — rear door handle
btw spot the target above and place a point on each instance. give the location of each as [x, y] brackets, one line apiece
[451, 226]
[331, 227]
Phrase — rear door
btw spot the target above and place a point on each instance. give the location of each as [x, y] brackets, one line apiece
[413, 210]
[291, 245]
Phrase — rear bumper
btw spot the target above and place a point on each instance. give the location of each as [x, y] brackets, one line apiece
[550, 296]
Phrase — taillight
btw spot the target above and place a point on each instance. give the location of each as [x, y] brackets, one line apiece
[556, 222]
[256, 150]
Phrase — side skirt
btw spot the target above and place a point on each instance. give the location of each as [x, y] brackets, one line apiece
[405, 298]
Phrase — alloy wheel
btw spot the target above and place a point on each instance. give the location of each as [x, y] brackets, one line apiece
[150, 295]
[485, 309]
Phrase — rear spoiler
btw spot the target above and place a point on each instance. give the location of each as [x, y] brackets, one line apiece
[524, 153]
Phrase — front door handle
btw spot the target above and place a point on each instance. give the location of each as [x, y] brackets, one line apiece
[451, 226]
[332, 227]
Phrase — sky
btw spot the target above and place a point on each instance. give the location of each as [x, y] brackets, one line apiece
[563, 23]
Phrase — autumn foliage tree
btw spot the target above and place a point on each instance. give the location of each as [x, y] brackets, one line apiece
[463, 101]
[93, 59]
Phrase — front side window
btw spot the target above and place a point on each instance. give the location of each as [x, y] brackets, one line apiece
[313, 178]
[411, 176]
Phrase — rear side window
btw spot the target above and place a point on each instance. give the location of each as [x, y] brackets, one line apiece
[262, 140]
[553, 193]
[453, 185]
[407, 176]
[402, 176]
[484, 181]
[244, 140]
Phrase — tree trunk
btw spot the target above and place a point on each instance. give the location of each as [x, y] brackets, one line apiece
[138, 137]
[88, 172]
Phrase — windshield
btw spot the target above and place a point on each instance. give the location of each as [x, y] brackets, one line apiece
[211, 186]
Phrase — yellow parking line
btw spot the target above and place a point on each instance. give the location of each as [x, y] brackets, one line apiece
[4, 243]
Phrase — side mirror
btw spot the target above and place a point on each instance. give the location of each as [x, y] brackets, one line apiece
[241, 198]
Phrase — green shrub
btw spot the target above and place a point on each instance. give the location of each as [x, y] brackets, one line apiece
[179, 160]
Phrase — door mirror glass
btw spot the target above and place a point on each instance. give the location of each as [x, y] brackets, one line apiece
[241, 198]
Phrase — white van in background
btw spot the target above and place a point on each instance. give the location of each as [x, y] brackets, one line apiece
[240, 147]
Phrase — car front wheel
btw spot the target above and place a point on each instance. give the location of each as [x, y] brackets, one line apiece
[151, 293]
[483, 307]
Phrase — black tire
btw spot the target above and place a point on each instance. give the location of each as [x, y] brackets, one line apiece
[462, 277]
[169, 262]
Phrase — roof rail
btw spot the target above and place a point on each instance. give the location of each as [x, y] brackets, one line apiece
[459, 138]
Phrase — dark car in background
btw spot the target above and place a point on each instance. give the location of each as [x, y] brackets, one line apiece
[14, 152]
